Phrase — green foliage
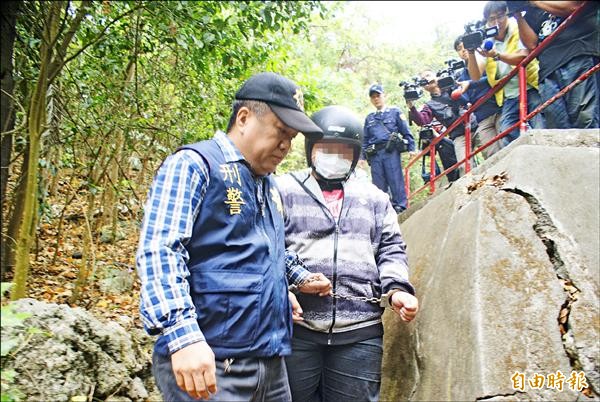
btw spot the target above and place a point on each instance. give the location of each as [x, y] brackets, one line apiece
[339, 61]
[155, 75]
[144, 77]
[296, 158]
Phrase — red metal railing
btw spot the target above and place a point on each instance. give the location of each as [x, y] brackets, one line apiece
[523, 115]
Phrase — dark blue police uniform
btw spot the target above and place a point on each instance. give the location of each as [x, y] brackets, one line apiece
[386, 167]
[236, 261]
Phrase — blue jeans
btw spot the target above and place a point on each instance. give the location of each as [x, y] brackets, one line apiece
[510, 115]
[386, 172]
[335, 373]
[247, 379]
[578, 108]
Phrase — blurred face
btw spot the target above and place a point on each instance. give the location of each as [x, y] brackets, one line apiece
[263, 140]
[332, 160]
[462, 52]
[499, 18]
[341, 150]
[378, 100]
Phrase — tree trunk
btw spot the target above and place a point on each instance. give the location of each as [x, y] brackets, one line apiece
[15, 214]
[7, 111]
[52, 60]
[36, 121]
[111, 211]
[88, 260]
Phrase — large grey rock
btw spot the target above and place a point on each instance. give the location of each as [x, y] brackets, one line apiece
[496, 259]
[71, 353]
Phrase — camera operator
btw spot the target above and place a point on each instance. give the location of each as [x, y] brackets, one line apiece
[386, 136]
[445, 110]
[507, 52]
[573, 52]
[488, 114]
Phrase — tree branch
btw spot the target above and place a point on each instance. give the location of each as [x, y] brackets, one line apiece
[59, 64]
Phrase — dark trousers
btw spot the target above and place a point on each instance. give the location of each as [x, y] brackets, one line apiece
[386, 174]
[335, 373]
[510, 115]
[245, 379]
[579, 108]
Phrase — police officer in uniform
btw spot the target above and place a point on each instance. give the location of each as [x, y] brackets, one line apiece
[211, 256]
[386, 135]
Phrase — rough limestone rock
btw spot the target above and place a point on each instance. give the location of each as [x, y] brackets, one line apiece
[71, 353]
[506, 267]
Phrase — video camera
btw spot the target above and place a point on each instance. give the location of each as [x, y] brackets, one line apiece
[426, 134]
[475, 33]
[446, 77]
[412, 90]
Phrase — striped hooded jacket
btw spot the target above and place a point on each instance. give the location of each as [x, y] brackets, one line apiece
[363, 254]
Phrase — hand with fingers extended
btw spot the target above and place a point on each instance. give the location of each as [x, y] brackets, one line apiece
[316, 283]
[194, 369]
[405, 305]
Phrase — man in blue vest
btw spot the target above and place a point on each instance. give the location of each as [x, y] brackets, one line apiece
[211, 256]
[386, 136]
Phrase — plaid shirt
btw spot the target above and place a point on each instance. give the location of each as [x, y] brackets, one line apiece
[172, 206]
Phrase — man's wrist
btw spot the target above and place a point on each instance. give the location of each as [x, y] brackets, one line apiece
[182, 334]
[391, 293]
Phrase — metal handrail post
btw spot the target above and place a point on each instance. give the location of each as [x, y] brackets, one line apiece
[522, 98]
[407, 184]
[467, 142]
[431, 168]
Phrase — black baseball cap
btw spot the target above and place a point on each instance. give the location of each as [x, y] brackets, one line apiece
[283, 97]
[375, 88]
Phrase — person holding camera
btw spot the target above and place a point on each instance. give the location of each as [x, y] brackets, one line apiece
[386, 136]
[488, 114]
[573, 52]
[445, 110]
[347, 230]
[503, 55]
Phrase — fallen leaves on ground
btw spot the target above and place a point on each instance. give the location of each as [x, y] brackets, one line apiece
[497, 180]
[55, 263]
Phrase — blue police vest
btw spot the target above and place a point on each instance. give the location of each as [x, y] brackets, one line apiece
[237, 264]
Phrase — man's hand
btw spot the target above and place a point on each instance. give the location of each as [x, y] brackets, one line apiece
[316, 283]
[296, 309]
[363, 164]
[194, 369]
[409, 104]
[405, 305]
[488, 53]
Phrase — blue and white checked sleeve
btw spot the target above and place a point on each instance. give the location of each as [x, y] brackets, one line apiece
[173, 204]
[295, 269]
